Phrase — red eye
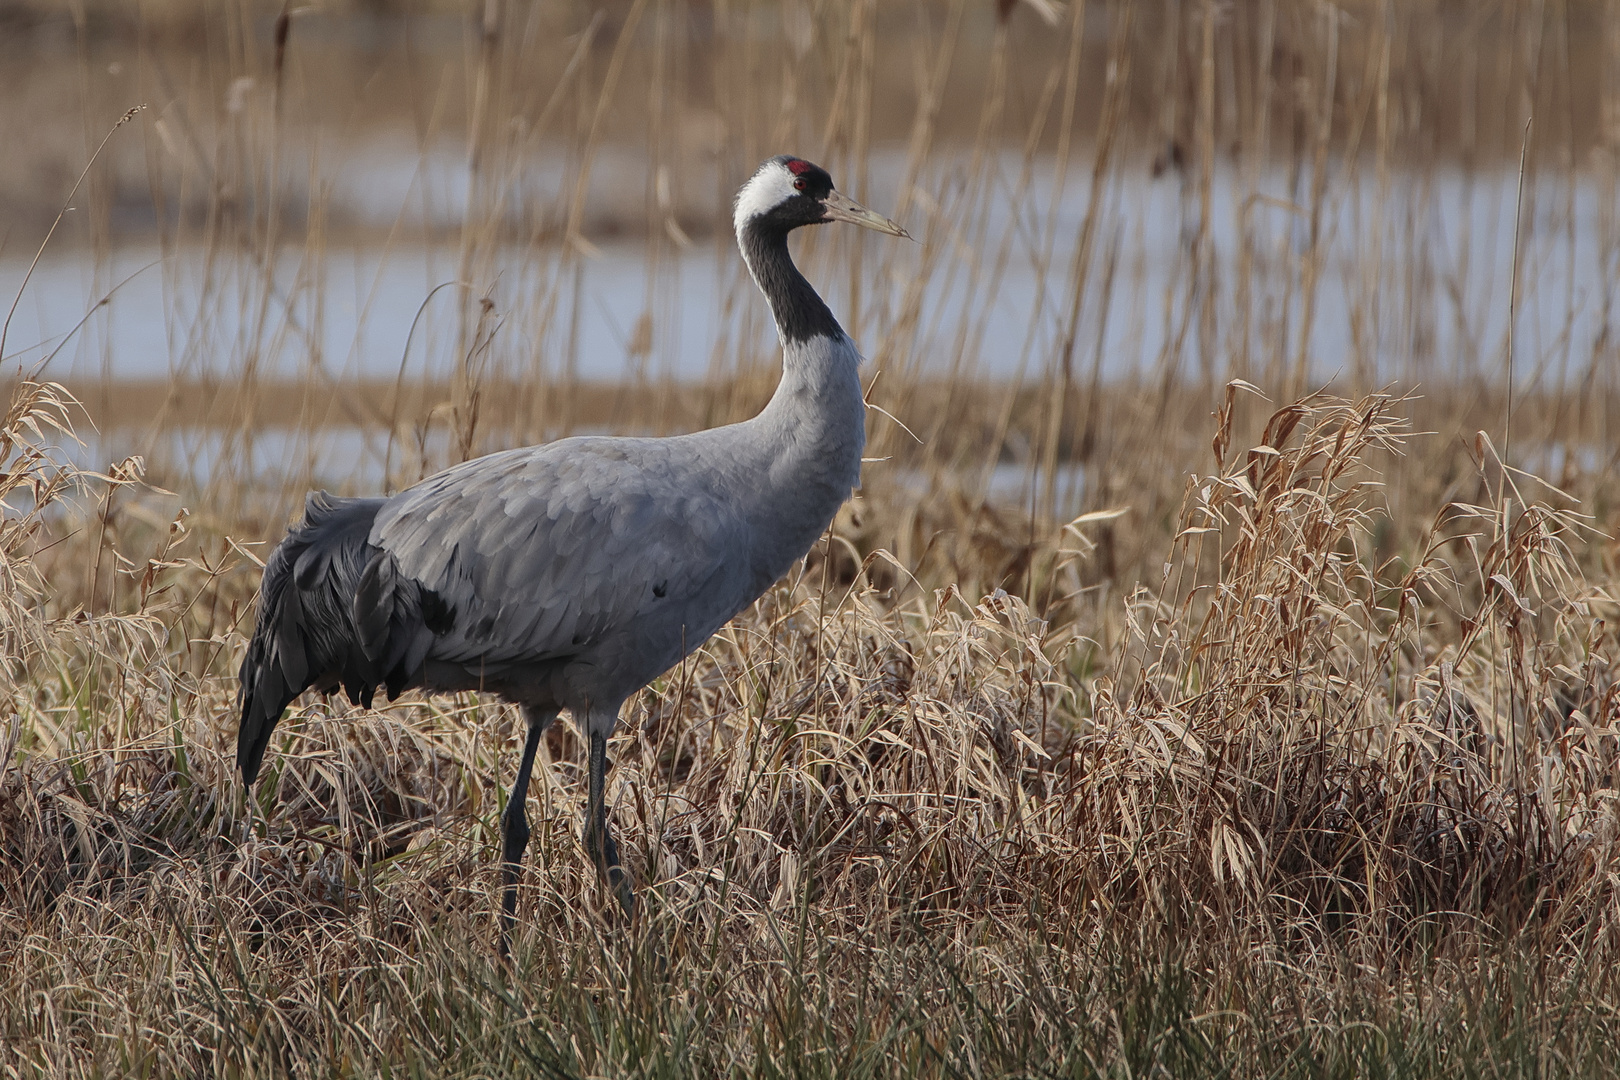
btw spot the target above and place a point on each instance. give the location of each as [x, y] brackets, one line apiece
[799, 185]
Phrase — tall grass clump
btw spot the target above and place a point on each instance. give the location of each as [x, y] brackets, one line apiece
[1333, 740]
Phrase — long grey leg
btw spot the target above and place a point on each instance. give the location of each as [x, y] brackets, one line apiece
[515, 822]
[598, 841]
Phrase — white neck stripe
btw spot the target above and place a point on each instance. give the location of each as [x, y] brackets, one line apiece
[769, 188]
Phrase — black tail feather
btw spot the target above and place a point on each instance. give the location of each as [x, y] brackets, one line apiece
[306, 631]
[333, 610]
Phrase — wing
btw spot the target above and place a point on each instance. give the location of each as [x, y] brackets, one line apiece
[539, 553]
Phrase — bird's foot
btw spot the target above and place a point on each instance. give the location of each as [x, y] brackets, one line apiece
[620, 881]
[605, 857]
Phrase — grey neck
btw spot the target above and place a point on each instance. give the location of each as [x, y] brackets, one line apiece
[815, 423]
[816, 418]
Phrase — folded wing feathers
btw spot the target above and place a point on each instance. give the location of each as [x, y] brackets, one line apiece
[305, 631]
[332, 609]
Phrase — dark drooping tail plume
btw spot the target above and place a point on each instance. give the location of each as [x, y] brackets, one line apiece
[333, 609]
[306, 633]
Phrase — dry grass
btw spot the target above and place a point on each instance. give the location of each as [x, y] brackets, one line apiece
[1235, 735]
[1292, 810]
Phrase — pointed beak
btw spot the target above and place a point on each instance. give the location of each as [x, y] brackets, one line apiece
[841, 207]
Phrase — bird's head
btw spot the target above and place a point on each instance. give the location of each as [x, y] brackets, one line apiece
[787, 192]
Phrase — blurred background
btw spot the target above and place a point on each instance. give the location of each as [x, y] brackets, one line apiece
[345, 243]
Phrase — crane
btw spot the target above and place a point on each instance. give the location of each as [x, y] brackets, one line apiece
[570, 575]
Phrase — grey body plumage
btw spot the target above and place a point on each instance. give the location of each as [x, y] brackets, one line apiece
[569, 575]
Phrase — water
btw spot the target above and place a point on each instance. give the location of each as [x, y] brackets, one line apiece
[1413, 284]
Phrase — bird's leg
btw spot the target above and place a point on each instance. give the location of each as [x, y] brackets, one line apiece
[599, 843]
[515, 825]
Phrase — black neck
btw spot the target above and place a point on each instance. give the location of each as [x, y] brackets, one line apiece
[800, 313]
